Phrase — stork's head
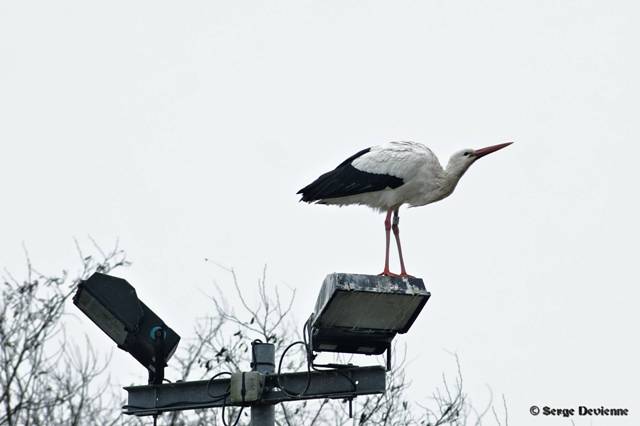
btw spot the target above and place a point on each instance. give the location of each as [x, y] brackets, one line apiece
[461, 160]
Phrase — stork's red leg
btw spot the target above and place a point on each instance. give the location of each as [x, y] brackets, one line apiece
[396, 234]
[387, 229]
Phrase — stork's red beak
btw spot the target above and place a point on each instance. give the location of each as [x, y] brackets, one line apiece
[479, 153]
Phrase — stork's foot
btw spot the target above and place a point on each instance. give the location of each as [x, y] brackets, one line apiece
[387, 273]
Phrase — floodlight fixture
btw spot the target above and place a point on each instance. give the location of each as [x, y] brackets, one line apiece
[362, 314]
[112, 303]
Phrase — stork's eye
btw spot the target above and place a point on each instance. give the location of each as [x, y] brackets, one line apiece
[466, 153]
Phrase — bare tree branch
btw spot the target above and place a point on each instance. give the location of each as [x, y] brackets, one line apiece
[43, 378]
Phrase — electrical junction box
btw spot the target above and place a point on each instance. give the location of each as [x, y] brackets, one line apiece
[246, 387]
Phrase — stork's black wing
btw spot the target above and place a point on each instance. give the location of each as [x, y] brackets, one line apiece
[346, 180]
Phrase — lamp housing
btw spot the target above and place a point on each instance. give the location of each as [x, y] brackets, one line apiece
[362, 314]
[113, 305]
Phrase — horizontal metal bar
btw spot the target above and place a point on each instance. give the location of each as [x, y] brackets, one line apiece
[149, 399]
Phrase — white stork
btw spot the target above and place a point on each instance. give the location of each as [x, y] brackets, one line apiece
[387, 176]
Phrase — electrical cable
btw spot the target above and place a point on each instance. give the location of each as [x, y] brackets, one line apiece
[309, 356]
[204, 404]
[224, 421]
[217, 397]
[306, 388]
[222, 397]
[338, 369]
[306, 333]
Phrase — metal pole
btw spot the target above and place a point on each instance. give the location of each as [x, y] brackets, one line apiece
[263, 355]
[156, 377]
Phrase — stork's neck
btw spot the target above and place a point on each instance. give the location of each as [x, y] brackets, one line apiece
[452, 175]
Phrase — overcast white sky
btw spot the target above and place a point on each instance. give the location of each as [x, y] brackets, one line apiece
[185, 129]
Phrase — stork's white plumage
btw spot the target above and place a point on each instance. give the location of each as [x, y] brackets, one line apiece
[387, 176]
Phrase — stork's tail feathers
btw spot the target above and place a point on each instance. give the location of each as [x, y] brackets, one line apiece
[316, 190]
